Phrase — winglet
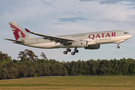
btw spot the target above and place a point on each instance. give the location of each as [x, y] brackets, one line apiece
[27, 30]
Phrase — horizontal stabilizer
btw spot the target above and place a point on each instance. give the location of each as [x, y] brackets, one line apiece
[15, 41]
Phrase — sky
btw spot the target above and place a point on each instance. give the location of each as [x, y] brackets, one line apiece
[61, 17]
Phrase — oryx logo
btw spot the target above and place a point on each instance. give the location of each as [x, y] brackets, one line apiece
[17, 32]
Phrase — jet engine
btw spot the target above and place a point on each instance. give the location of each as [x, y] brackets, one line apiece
[80, 44]
[97, 46]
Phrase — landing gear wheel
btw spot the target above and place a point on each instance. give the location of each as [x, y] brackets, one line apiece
[65, 52]
[76, 51]
[69, 50]
[118, 47]
[72, 53]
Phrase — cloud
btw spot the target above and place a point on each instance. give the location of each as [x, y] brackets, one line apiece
[46, 2]
[110, 1]
[85, 0]
[105, 1]
[133, 1]
[130, 4]
[72, 19]
[49, 2]
[21, 14]
[80, 16]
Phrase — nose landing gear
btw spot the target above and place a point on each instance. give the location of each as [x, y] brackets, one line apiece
[118, 45]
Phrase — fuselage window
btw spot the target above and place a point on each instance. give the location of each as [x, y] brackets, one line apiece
[126, 33]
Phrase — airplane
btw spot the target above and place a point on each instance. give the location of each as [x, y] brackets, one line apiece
[84, 40]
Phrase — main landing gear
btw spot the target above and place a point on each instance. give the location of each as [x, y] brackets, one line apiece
[118, 45]
[75, 51]
[69, 50]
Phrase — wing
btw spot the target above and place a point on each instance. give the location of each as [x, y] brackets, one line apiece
[61, 40]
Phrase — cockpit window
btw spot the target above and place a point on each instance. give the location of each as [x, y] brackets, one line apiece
[126, 33]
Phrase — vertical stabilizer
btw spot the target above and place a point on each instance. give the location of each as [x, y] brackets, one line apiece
[18, 32]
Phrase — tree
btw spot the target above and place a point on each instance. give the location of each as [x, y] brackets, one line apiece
[58, 69]
[31, 71]
[79, 65]
[22, 70]
[4, 73]
[31, 55]
[43, 56]
[105, 67]
[0, 70]
[13, 73]
[115, 69]
[74, 68]
[46, 69]
[10, 64]
[39, 70]
[94, 67]
[67, 67]
[27, 54]
[22, 55]
[132, 69]
[4, 56]
[124, 66]
[85, 68]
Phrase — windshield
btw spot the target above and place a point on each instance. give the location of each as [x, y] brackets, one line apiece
[126, 33]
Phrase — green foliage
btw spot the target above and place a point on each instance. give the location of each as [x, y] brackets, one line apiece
[31, 71]
[30, 66]
[4, 73]
[35, 75]
[12, 73]
[18, 69]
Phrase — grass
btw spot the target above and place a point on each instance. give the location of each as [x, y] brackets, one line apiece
[71, 83]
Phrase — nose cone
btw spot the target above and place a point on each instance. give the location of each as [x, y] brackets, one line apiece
[130, 36]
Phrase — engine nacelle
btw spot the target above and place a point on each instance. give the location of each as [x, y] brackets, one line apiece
[80, 44]
[97, 46]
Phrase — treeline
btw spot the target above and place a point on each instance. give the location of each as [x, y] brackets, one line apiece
[30, 66]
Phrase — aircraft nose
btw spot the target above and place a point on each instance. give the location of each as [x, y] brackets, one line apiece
[130, 36]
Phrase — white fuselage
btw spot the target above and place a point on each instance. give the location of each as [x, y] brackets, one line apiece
[91, 38]
[85, 40]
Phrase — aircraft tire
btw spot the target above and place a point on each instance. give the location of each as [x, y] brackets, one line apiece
[69, 50]
[65, 52]
[118, 47]
[72, 53]
[76, 51]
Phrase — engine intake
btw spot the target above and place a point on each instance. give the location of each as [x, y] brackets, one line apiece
[97, 46]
